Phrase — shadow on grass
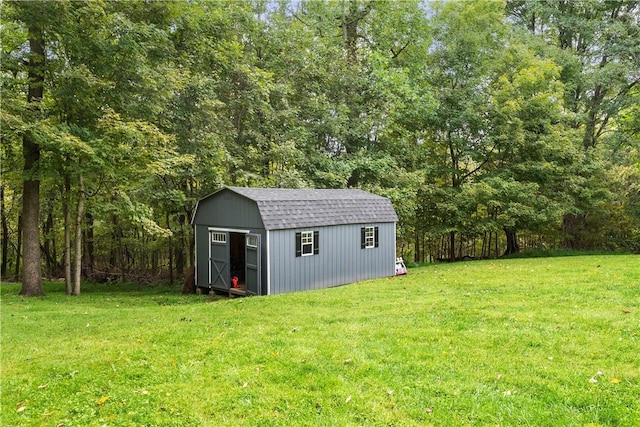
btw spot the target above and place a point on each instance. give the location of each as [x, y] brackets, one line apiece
[160, 293]
[557, 253]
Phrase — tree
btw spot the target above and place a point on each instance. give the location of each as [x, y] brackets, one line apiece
[468, 40]
[89, 75]
[535, 151]
[29, 64]
[594, 42]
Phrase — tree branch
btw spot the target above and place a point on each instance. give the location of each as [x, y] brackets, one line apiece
[395, 54]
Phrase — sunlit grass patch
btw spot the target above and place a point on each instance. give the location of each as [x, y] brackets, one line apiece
[539, 341]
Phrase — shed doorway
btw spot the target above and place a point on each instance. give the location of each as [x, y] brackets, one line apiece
[244, 258]
[235, 262]
[238, 263]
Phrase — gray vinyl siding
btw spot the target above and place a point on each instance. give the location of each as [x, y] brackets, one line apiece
[228, 210]
[278, 214]
[202, 253]
[340, 261]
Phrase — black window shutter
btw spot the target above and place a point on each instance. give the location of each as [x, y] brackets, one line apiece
[375, 237]
[316, 242]
[298, 244]
[363, 244]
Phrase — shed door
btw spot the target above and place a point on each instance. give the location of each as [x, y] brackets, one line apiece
[219, 259]
[252, 263]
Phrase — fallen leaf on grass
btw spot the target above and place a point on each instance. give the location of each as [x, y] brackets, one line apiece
[593, 380]
[21, 409]
[626, 311]
[348, 399]
[102, 400]
[615, 380]
[429, 409]
[42, 386]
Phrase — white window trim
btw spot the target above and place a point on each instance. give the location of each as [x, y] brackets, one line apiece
[369, 237]
[308, 243]
[231, 230]
[218, 237]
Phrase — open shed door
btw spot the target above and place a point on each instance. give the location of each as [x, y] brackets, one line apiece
[219, 259]
[252, 263]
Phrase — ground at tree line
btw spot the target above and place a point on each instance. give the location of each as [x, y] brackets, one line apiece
[544, 341]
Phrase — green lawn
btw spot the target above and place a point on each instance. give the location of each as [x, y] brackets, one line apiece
[544, 341]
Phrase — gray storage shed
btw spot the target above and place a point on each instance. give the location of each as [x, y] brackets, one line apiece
[259, 241]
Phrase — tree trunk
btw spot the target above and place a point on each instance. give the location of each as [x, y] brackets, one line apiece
[49, 245]
[88, 244]
[181, 249]
[120, 255]
[5, 234]
[67, 234]
[572, 226]
[170, 251]
[18, 247]
[452, 246]
[191, 248]
[484, 245]
[32, 274]
[512, 241]
[78, 240]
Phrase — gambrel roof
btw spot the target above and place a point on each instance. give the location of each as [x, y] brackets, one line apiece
[282, 208]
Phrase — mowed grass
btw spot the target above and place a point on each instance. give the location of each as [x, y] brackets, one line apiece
[541, 342]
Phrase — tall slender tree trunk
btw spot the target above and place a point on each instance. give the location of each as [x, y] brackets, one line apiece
[452, 246]
[49, 244]
[88, 243]
[120, 255]
[18, 248]
[181, 249]
[5, 234]
[77, 274]
[170, 251]
[67, 234]
[484, 243]
[32, 274]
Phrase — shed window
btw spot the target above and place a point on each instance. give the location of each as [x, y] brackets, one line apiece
[369, 237]
[218, 237]
[252, 241]
[307, 243]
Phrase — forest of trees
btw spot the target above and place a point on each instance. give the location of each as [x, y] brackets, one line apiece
[492, 126]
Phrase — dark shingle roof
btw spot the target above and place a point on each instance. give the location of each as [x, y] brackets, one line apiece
[282, 208]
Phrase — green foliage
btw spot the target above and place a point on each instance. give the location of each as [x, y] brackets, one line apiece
[471, 116]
